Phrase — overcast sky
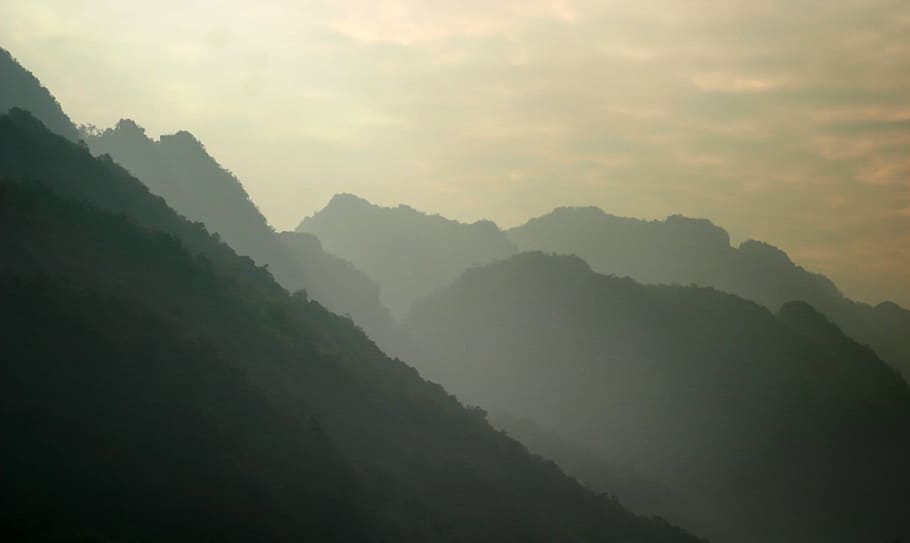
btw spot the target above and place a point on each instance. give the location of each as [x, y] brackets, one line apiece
[782, 120]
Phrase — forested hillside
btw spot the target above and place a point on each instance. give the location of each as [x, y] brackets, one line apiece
[178, 168]
[764, 427]
[425, 468]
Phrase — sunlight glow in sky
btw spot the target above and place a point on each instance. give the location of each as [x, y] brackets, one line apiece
[785, 120]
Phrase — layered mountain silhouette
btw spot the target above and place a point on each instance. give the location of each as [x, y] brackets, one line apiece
[152, 349]
[695, 251]
[765, 427]
[173, 369]
[408, 252]
[178, 168]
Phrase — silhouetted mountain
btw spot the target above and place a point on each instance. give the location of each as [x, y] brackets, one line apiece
[694, 251]
[178, 168]
[115, 423]
[774, 428]
[152, 312]
[410, 253]
[19, 88]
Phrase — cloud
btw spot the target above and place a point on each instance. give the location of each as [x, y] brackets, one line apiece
[787, 121]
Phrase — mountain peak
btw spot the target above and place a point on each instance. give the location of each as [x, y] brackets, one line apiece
[810, 321]
[699, 230]
[347, 199]
[129, 126]
[766, 251]
[409, 252]
[183, 138]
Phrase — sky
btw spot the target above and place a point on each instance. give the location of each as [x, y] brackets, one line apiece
[786, 121]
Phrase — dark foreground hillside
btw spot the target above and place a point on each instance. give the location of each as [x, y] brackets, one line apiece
[175, 386]
[763, 427]
[117, 425]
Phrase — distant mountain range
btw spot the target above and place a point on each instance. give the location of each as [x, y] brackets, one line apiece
[686, 251]
[410, 253]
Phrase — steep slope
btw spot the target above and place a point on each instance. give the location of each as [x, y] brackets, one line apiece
[694, 251]
[339, 286]
[410, 253]
[19, 88]
[771, 428]
[116, 425]
[178, 168]
[592, 467]
[431, 470]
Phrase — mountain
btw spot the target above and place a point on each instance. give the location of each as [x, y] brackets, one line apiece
[19, 88]
[118, 426]
[686, 251]
[141, 312]
[178, 168]
[771, 427]
[338, 285]
[409, 252]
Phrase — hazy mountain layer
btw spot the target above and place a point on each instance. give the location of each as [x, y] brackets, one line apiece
[772, 427]
[178, 168]
[429, 469]
[410, 253]
[694, 251]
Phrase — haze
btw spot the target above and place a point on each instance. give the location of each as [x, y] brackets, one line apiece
[782, 121]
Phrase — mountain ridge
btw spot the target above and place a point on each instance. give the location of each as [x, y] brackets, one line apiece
[659, 252]
[409, 252]
[416, 447]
